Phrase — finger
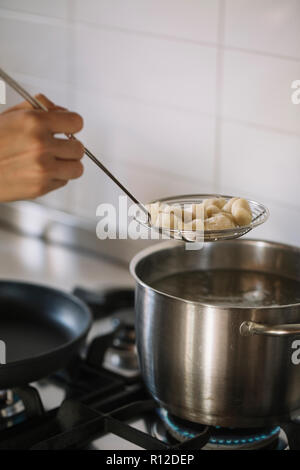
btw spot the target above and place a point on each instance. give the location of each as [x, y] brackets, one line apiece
[41, 98]
[63, 122]
[48, 103]
[45, 101]
[69, 149]
[66, 169]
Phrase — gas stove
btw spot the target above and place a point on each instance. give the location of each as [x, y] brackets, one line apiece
[100, 402]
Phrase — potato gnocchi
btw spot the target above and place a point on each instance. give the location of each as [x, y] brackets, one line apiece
[211, 214]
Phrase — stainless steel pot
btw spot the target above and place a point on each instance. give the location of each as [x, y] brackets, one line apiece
[228, 366]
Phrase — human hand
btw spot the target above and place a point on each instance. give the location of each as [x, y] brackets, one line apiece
[33, 160]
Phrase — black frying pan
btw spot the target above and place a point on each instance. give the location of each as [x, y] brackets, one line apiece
[40, 328]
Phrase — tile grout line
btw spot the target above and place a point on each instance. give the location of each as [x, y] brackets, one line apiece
[153, 170]
[27, 78]
[219, 95]
[20, 15]
[260, 127]
[69, 195]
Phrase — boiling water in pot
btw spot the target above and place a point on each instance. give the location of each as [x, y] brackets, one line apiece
[231, 288]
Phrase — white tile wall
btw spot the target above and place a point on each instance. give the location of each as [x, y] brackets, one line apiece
[52, 8]
[152, 135]
[151, 69]
[257, 89]
[282, 226]
[270, 26]
[262, 164]
[183, 19]
[149, 162]
[34, 48]
[178, 95]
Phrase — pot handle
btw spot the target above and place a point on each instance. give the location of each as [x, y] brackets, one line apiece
[250, 328]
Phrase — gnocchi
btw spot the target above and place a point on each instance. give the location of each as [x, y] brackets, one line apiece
[211, 214]
[241, 212]
[219, 221]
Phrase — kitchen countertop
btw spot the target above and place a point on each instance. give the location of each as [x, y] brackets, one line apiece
[31, 259]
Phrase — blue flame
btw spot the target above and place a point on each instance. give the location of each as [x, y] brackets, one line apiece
[222, 441]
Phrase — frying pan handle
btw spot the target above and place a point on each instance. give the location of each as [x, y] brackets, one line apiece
[250, 328]
[106, 301]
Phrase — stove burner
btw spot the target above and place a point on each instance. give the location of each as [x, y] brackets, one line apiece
[11, 409]
[221, 438]
[121, 356]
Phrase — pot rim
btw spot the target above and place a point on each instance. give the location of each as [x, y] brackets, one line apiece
[169, 244]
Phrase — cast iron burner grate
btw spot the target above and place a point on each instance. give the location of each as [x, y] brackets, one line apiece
[220, 438]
